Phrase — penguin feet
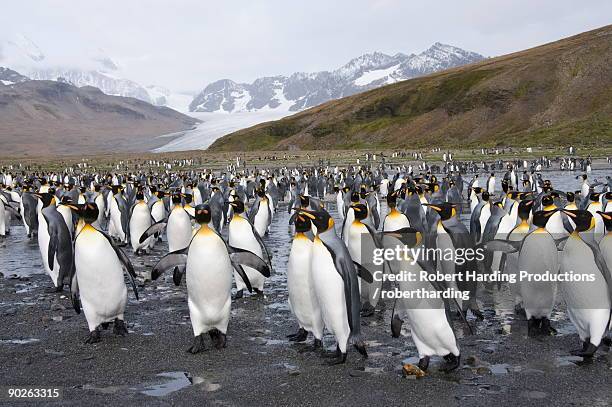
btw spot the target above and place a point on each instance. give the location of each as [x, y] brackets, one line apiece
[300, 336]
[105, 325]
[339, 360]
[367, 310]
[94, 336]
[546, 328]
[239, 294]
[218, 338]
[361, 348]
[587, 351]
[258, 293]
[520, 311]
[396, 326]
[316, 345]
[452, 363]
[539, 327]
[119, 327]
[333, 354]
[198, 345]
[423, 363]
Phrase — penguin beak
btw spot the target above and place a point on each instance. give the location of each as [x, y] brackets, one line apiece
[434, 207]
[307, 213]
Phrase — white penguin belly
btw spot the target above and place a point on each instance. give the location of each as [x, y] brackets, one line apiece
[538, 255]
[241, 236]
[302, 298]
[262, 219]
[209, 283]
[329, 290]
[178, 230]
[100, 279]
[430, 329]
[139, 223]
[588, 303]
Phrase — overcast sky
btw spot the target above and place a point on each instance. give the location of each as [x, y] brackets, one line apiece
[185, 44]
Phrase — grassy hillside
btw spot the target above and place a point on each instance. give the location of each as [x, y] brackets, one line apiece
[555, 94]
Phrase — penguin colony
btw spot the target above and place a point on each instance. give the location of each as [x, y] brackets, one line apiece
[214, 223]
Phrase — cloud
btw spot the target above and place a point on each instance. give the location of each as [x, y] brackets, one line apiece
[185, 44]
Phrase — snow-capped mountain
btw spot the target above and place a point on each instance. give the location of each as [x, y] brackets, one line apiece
[303, 90]
[9, 77]
[94, 69]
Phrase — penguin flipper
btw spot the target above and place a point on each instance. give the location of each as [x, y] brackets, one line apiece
[363, 272]
[505, 246]
[169, 261]
[74, 294]
[14, 211]
[264, 249]
[247, 258]
[405, 235]
[243, 275]
[153, 229]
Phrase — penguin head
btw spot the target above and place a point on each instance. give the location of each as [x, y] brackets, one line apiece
[321, 219]
[202, 214]
[446, 210]
[607, 218]
[541, 217]
[238, 206]
[355, 197]
[176, 198]
[304, 201]
[139, 195]
[47, 198]
[570, 196]
[361, 211]
[392, 199]
[66, 200]
[188, 198]
[302, 224]
[524, 208]
[485, 196]
[595, 196]
[583, 219]
[88, 212]
[261, 192]
[547, 201]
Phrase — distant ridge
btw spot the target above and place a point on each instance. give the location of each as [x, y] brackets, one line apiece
[554, 94]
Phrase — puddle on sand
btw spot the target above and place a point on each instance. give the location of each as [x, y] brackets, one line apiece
[178, 381]
[19, 341]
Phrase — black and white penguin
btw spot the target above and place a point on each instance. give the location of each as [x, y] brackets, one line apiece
[98, 284]
[243, 235]
[336, 285]
[208, 262]
[588, 302]
[302, 298]
[54, 241]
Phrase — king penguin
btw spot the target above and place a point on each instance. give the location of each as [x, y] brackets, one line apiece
[54, 241]
[588, 301]
[97, 283]
[208, 263]
[302, 299]
[243, 235]
[336, 285]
